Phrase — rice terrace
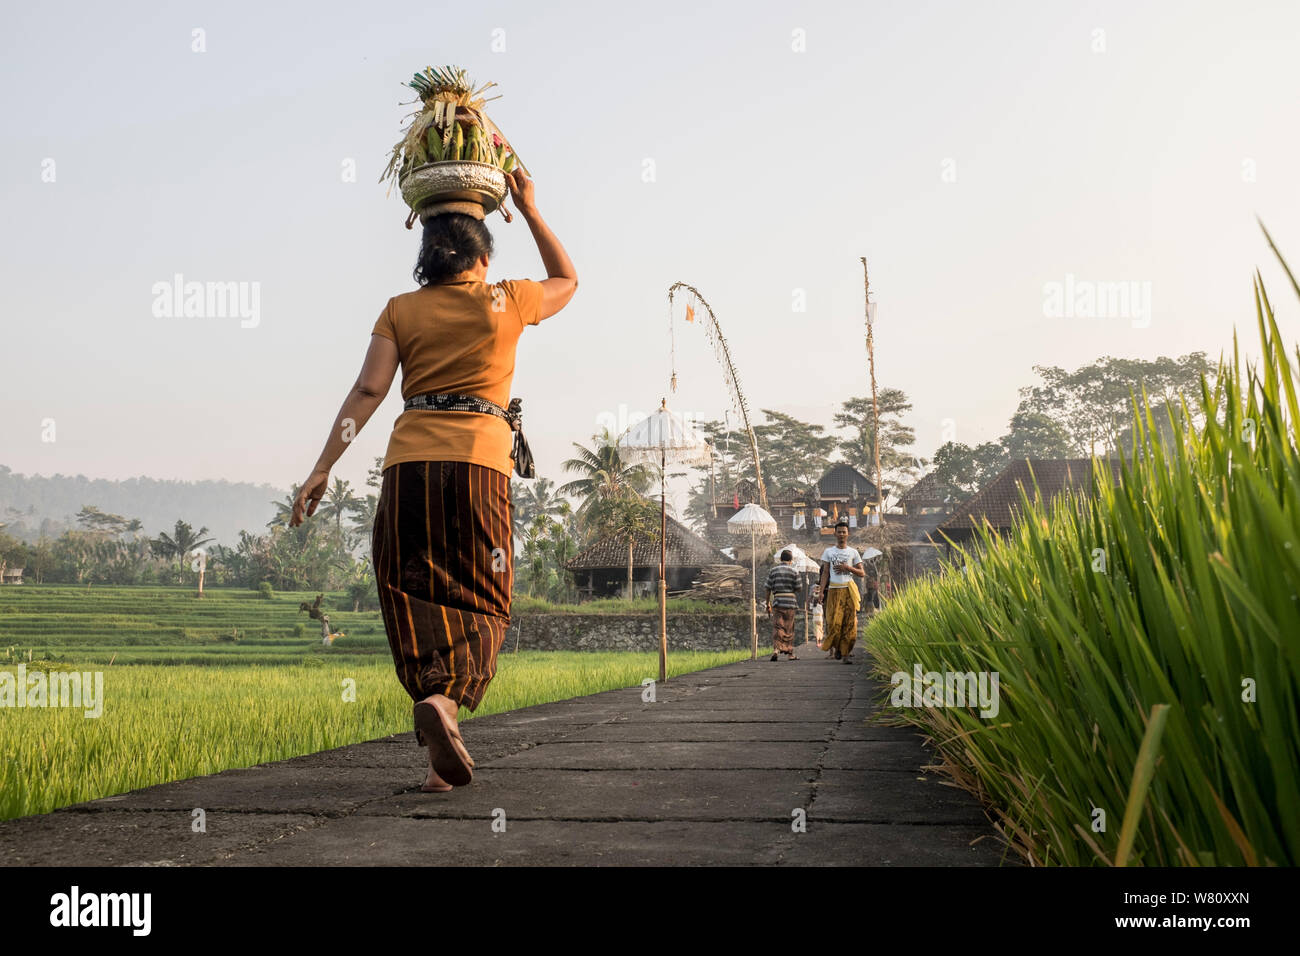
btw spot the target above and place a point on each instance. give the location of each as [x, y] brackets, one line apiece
[232, 694]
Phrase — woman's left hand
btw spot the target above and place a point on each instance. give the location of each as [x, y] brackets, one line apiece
[312, 490]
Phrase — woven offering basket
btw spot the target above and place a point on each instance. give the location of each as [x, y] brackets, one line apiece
[428, 188]
[451, 157]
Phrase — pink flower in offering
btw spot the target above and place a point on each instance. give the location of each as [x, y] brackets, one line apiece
[496, 140]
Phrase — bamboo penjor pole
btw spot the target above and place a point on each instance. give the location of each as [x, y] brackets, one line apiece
[875, 417]
[663, 583]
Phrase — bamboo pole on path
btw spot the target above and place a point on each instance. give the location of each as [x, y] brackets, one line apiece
[663, 583]
[875, 418]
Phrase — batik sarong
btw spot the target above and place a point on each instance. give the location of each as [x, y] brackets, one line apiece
[783, 630]
[841, 619]
[444, 569]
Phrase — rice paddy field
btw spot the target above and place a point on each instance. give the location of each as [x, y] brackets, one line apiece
[1147, 640]
[195, 686]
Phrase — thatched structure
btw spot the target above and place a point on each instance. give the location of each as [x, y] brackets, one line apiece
[600, 569]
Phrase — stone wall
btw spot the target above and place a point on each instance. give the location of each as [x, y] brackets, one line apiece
[637, 632]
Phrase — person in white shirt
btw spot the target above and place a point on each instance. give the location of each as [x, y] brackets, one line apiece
[837, 590]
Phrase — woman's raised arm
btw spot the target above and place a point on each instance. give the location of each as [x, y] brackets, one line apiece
[562, 277]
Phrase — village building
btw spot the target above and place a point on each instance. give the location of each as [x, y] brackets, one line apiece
[600, 569]
[808, 519]
[926, 497]
[919, 550]
[999, 502]
[805, 515]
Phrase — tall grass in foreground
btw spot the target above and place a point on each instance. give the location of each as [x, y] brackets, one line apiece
[1147, 642]
[163, 723]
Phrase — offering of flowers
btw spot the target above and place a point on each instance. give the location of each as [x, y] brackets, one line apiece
[451, 154]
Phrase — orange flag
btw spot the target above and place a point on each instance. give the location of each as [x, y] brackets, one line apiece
[690, 314]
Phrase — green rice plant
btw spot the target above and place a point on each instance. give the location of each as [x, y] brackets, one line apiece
[1146, 638]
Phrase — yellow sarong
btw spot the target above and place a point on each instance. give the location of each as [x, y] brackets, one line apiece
[841, 613]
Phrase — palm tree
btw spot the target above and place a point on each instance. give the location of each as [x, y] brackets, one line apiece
[181, 542]
[535, 500]
[78, 547]
[363, 517]
[230, 562]
[625, 515]
[338, 501]
[603, 475]
[564, 547]
[536, 538]
[284, 509]
[360, 583]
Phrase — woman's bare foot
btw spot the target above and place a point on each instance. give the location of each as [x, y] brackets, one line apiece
[434, 783]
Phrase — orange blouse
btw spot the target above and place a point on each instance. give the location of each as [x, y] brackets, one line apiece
[458, 337]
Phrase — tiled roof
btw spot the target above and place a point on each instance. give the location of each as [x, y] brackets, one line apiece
[747, 491]
[841, 479]
[926, 489]
[1000, 499]
[686, 549]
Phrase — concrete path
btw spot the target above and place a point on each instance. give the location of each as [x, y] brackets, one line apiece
[712, 772]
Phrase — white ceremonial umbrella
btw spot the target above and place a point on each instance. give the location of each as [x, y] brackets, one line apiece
[755, 522]
[659, 439]
[870, 553]
[801, 562]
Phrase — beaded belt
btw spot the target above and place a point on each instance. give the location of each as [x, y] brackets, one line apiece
[513, 416]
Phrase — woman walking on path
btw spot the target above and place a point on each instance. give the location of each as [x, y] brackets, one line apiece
[442, 538]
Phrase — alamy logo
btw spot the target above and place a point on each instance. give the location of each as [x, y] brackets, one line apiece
[1087, 299]
[946, 689]
[179, 299]
[77, 689]
[102, 909]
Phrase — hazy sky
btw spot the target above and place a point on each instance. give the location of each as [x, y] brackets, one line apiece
[974, 152]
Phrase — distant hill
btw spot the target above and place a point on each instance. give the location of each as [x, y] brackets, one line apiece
[29, 501]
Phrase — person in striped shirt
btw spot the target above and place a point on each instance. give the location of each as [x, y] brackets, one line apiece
[783, 586]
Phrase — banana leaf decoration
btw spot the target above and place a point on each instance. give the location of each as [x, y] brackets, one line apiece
[449, 102]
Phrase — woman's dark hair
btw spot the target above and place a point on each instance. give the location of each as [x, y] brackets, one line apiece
[451, 245]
